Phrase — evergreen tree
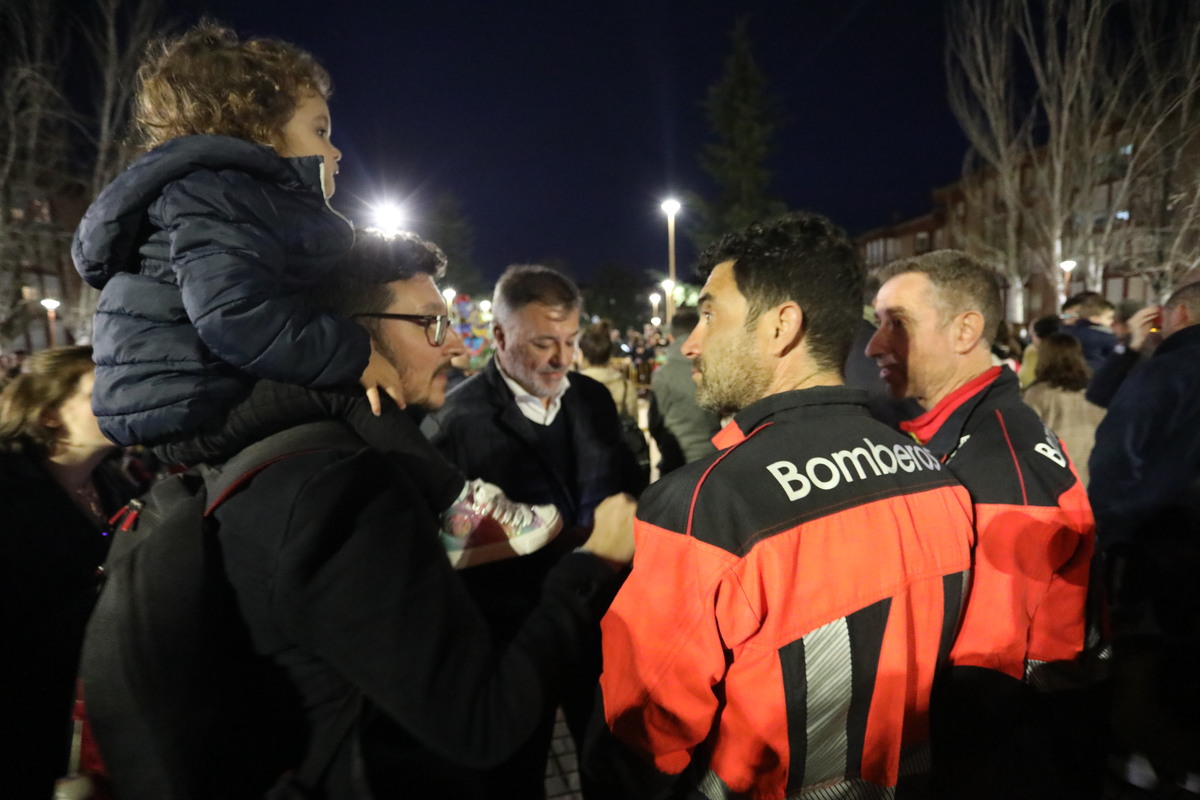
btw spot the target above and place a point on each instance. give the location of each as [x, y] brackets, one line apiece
[617, 293]
[744, 121]
[450, 229]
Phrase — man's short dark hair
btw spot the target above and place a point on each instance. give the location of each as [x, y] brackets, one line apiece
[684, 321]
[1093, 306]
[963, 283]
[596, 343]
[805, 258]
[1071, 304]
[357, 286]
[1044, 326]
[1187, 295]
[522, 284]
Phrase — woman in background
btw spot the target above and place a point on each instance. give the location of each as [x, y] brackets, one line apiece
[1057, 396]
[1040, 329]
[596, 347]
[57, 492]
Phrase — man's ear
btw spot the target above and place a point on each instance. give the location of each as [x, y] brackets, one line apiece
[498, 335]
[968, 331]
[1181, 317]
[786, 326]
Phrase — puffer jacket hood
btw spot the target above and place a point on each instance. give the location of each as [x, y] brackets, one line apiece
[204, 251]
[115, 225]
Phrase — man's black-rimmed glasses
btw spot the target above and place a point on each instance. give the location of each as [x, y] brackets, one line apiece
[435, 325]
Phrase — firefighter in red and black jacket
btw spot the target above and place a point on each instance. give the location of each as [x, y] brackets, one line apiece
[998, 729]
[794, 594]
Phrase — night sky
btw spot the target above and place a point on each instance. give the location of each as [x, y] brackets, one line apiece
[561, 125]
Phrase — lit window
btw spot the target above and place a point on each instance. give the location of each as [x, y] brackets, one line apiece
[1122, 215]
[1126, 150]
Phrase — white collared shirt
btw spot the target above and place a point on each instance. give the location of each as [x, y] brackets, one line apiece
[530, 405]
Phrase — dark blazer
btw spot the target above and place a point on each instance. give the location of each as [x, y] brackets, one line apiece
[481, 431]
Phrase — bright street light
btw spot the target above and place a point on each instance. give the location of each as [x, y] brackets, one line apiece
[1067, 266]
[670, 207]
[449, 294]
[388, 218]
[50, 304]
[668, 287]
[654, 298]
[485, 305]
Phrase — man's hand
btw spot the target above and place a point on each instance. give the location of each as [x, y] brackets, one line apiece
[1142, 325]
[612, 534]
[381, 374]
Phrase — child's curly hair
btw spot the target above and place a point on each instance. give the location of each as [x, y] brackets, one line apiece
[207, 81]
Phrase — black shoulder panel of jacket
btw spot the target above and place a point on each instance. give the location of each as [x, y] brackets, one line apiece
[787, 473]
[1007, 456]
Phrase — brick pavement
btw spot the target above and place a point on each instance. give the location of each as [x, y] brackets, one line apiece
[562, 767]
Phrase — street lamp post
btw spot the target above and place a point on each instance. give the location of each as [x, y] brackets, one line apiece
[670, 207]
[669, 290]
[1066, 267]
[654, 298]
[51, 305]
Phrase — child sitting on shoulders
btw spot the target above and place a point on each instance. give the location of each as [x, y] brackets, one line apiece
[204, 247]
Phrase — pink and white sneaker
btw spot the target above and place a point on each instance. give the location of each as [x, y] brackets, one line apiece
[483, 525]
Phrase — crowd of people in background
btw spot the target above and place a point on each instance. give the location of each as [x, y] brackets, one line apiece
[888, 546]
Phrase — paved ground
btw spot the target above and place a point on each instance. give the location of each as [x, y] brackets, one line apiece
[562, 768]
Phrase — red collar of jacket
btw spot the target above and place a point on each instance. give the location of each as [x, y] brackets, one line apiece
[925, 426]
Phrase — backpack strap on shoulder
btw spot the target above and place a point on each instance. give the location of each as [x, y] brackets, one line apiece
[225, 481]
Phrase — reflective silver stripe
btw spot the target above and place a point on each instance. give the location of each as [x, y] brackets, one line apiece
[966, 595]
[1032, 668]
[1056, 676]
[828, 669]
[915, 760]
[847, 790]
[712, 787]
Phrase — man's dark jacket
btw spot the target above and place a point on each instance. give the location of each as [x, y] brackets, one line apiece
[688, 427]
[481, 430]
[49, 554]
[1096, 341]
[343, 581]
[201, 250]
[1147, 453]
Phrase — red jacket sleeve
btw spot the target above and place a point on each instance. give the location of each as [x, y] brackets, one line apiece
[664, 650]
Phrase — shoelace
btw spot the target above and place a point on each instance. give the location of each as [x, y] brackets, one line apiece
[506, 512]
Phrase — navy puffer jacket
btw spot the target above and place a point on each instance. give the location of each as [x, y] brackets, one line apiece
[202, 250]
